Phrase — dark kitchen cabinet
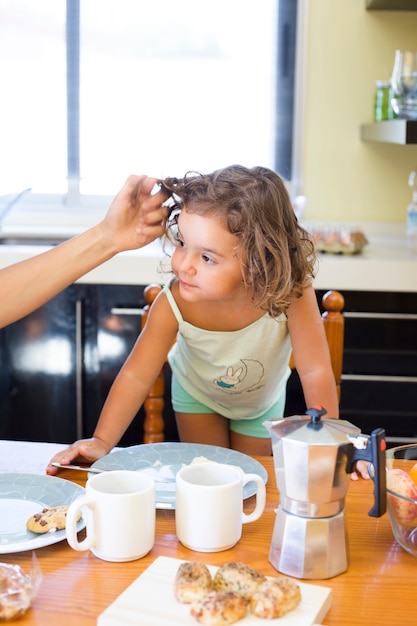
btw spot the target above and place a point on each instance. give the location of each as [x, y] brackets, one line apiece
[58, 364]
[380, 363]
[379, 381]
[38, 373]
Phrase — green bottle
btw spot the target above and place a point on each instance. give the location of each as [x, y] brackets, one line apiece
[382, 102]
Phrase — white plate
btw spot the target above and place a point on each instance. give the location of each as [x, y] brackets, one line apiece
[22, 495]
[163, 460]
[150, 600]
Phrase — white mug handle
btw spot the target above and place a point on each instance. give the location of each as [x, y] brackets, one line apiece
[71, 525]
[260, 498]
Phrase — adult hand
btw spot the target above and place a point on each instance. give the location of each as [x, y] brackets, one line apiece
[136, 215]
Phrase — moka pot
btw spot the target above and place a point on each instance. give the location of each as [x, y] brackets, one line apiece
[313, 459]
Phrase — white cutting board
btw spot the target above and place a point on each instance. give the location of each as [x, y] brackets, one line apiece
[150, 600]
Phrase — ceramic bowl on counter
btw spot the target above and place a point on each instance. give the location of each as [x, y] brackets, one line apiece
[401, 463]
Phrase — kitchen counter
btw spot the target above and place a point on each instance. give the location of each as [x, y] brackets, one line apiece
[387, 263]
[135, 267]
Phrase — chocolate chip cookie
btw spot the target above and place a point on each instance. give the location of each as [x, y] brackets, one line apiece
[49, 520]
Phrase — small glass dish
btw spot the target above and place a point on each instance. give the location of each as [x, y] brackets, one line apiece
[401, 464]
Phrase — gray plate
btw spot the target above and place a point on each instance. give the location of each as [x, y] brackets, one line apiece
[163, 460]
[22, 495]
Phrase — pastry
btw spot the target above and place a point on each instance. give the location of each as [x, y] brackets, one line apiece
[225, 599]
[238, 577]
[192, 582]
[220, 608]
[275, 597]
[49, 520]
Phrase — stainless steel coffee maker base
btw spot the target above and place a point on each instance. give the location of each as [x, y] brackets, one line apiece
[311, 548]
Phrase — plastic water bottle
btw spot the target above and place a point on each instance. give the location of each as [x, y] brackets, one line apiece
[412, 212]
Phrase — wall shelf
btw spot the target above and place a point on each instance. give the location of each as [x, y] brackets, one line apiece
[391, 5]
[402, 132]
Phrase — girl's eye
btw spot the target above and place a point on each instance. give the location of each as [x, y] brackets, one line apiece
[207, 259]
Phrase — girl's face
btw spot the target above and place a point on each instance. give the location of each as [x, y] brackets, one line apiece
[206, 259]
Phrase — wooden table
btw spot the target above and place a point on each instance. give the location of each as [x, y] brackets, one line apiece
[378, 589]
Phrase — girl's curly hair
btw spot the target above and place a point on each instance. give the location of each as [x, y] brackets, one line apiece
[277, 253]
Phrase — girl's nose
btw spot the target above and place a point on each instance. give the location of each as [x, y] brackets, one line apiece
[186, 264]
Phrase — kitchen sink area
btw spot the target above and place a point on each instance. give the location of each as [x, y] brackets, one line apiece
[30, 225]
[27, 218]
[32, 238]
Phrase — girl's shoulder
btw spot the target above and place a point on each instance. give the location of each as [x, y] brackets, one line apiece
[161, 313]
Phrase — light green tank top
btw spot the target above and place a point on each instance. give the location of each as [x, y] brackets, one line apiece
[238, 374]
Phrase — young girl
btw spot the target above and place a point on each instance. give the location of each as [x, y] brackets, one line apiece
[241, 299]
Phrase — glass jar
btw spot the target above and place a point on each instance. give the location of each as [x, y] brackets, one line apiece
[404, 84]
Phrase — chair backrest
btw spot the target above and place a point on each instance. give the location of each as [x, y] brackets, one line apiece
[334, 326]
[333, 303]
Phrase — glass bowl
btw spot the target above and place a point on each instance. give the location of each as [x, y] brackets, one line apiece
[401, 464]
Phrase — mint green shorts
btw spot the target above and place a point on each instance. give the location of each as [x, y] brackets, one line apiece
[252, 427]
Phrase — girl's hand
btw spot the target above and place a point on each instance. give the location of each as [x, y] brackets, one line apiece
[361, 471]
[84, 450]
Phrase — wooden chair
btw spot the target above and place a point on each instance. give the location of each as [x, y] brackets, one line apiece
[333, 303]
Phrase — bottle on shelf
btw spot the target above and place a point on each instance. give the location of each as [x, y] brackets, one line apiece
[412, 212]
[382, 102]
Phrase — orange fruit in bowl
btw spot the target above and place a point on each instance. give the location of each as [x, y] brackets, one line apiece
[413, 473]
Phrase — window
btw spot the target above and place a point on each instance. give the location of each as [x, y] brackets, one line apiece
[142, 86]
[33, 103]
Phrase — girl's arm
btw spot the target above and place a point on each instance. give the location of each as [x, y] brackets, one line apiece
[311, 353]
[139, 373]
[134, 219]
[130, 388]
[312, 360]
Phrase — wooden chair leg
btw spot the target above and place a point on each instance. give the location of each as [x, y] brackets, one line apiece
[154, 424]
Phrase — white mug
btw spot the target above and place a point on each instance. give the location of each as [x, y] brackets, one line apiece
[209, 505]
[119, 507]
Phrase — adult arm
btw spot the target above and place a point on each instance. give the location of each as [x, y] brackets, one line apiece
[134, 219]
